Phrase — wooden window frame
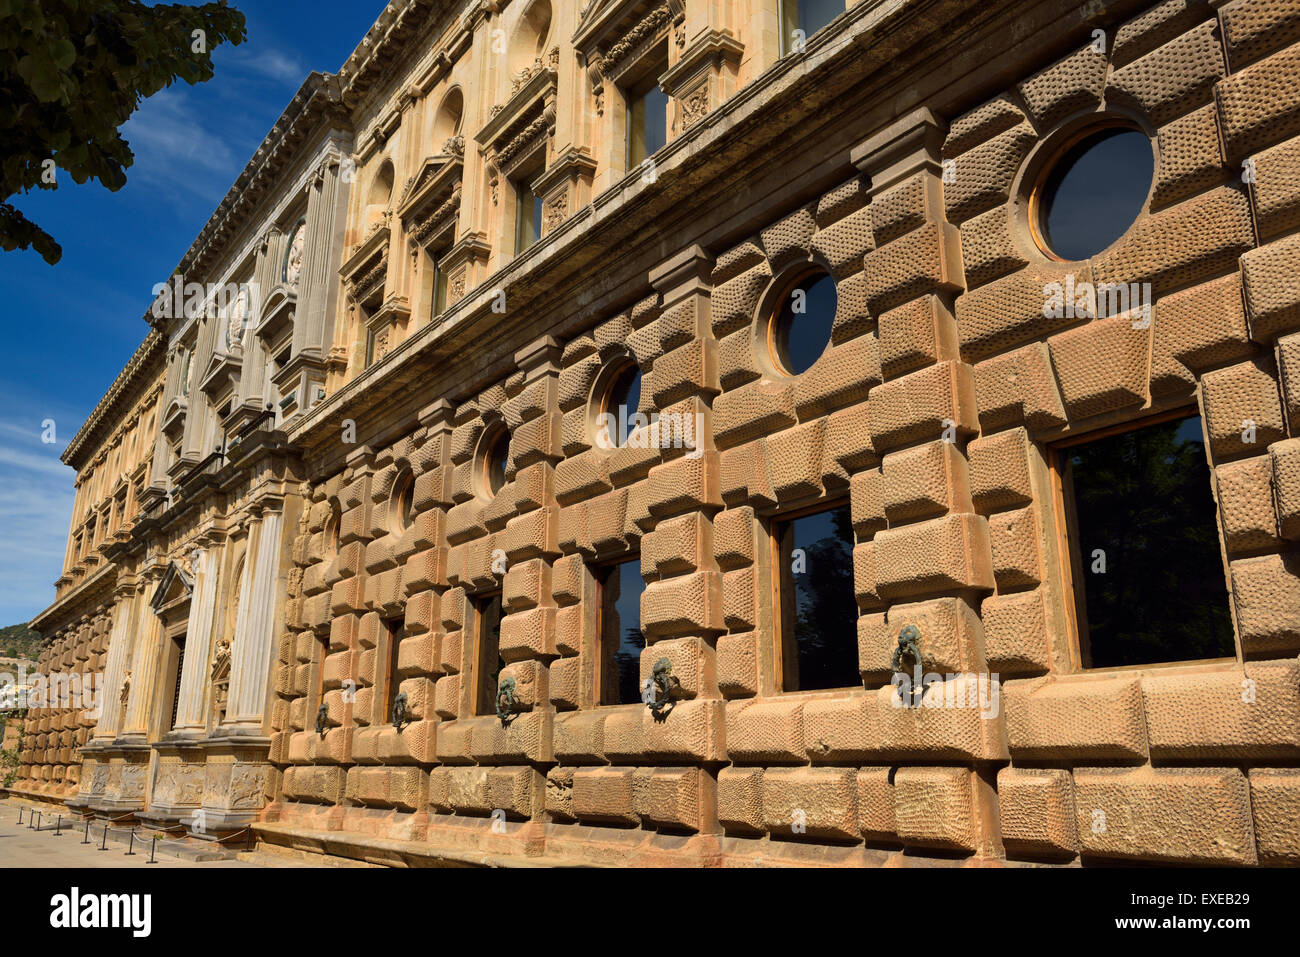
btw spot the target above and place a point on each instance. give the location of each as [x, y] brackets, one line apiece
[1069, 557]
[481, 696]
[784, 643]
[604, 653]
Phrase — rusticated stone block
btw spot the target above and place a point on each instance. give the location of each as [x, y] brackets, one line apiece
[688, 604]
[1015, 538]
[740, 800]
[844, 243]
[1285, 460]
[982, 176]
[1019, 388]
[1275, 808]
[738, 665]
[848, 439]
[1267, 596]
[951, 637]
[840, 729]
[1197, 329]
[1021, 307]
[1245, 493]
[1177, 815]
[906, 206]
[604, 795]
[846, 198]
[1272, 286]
[1016, 633]
[1067, 86]
[675, 798]
[984, 122]
[841, 377]
[1288, 364]
[957, 718]
[1189, 158]
[876, 804]
[1172, 79]
[1156, 26]
[935, 807]
[1094, 718]
[915, 335]
[924, 481]
[1276, 188]
[732, 304]
[987, 248]
[1036, 810]
[693, 732]
[1243, 411]
[1259, 105]
[867, 503]
[1102, 366]
[1183, 244]
[923, 405]
[1255, 28]
[811, 802]
[999, 470]
[1225, 714]
[925, 260]
[769, 730]
[948, 552]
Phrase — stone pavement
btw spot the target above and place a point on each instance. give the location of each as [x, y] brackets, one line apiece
[21, 846]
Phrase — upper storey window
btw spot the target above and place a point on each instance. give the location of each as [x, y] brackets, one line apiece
[1091, 191]
[647, 119]
[528, 211]
[800, 19]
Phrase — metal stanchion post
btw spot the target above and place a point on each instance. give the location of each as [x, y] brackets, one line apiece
[58, 826]
[104, 845]
[130, 847]
[86, 837]
[153, 846]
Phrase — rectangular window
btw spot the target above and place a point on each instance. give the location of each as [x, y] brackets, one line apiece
[178, 652]
[1142, 542]
[817, 611]
[439, 290]
[647, 119]
[487, 653]
[528, 215]
[621, 640]
[800, 19]
[394, 628]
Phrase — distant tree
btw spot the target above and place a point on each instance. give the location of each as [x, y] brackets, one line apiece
[72, 72]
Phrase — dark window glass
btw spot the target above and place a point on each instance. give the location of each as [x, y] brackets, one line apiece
[819, 613]
[647, 122]
[802, 328]
[624, 400]
[528, 217]
[176, 690]
[1095, 191]
[396, 629]
[621, 640]
[806, 16]
[487, 658]
[1149, 577]
[494, 466]
[402, 503]
[439, 290]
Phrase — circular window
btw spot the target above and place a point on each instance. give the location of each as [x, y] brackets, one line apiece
[399, 506]
[332, 531]
[801, 325]
[622, 400]
[492, 463]
[1092, 192]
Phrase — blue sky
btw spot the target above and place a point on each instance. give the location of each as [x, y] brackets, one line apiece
[70, 328]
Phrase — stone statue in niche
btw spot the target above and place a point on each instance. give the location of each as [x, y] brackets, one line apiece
[235, 323]
[126, 688]
[293, 258]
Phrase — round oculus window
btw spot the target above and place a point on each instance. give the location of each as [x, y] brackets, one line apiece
[801, 325]
[621, 404]
[494, 463]
[1093, 192]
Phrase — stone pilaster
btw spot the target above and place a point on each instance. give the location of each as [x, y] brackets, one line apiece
[191, 715]
[255, 627]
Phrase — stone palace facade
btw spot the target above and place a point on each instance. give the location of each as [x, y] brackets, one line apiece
[584, 421]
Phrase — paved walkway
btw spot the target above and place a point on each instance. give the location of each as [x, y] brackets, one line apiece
[21, 846]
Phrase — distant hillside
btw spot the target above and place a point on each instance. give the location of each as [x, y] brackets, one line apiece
[19, 641]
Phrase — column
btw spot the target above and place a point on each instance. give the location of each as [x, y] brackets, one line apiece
[192, 710]
[255, 627]
[120, 642]
[144, 664]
